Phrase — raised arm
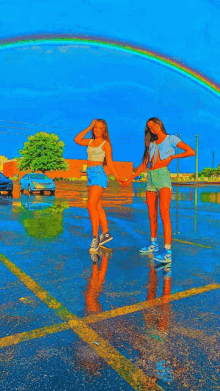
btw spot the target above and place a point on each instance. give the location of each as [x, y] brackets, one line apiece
[188, 151]
[139, 170]
[79, 139]
[108, 153]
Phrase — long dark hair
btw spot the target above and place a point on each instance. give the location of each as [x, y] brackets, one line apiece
[105, 135]
[149, 136]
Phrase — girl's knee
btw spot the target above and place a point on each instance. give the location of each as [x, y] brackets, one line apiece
[165, 215]
[152, 215]
[91, 205]
[99, 207]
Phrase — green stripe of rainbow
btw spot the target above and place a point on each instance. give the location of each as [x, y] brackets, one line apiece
[153, 56]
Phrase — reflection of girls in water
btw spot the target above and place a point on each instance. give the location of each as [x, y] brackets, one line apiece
[87, 358]
[99, 153]
[96, 281]
[157, 318]
[159, 152]
[154, 349]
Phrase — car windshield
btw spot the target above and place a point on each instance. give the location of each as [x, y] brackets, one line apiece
[38, 176]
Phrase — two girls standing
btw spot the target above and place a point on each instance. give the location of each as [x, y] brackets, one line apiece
[159, 152]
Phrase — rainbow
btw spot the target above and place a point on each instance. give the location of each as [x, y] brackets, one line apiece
[121, 46]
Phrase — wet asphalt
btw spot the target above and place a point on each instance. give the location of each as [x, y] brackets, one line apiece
[116, 320]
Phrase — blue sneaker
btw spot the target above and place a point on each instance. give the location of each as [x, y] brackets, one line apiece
[151, 248]
[165, 257]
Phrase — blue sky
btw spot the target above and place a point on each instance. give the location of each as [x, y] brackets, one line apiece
[68, 86]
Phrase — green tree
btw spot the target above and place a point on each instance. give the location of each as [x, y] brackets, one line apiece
[42, 152]
[217, 170]
[208, 171]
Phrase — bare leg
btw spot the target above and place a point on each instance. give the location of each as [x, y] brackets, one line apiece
[95, 193]
[102, 217]
[152, 203]
[165, 198]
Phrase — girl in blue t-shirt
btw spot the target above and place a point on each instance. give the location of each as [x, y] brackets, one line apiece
[159, 151]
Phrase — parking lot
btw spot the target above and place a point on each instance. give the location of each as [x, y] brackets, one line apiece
[69, 321]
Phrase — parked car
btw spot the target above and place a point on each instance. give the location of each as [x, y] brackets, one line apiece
[6, 184]
[32, 203]
[37, 182]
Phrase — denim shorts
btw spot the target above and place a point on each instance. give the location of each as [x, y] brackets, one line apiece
[97, 176]
[158, 179]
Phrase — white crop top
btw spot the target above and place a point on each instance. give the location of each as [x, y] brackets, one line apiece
[96, 154]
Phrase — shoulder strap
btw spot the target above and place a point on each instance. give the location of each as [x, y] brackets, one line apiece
[90, 141]
[102, 143]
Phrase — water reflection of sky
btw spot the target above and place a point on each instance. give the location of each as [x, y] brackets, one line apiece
[190, 195]
[63, 265]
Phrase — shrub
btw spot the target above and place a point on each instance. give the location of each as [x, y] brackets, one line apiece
[72, 179]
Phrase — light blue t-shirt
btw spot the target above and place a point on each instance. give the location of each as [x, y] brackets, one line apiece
[166, 148]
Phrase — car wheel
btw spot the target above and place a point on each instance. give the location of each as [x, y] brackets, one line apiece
[52, 192]
[21, 190]
[29, 189]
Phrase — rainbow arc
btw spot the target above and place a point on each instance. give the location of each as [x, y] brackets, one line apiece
[114, 45]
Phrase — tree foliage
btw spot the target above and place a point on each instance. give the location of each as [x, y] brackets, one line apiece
[42, 152]
[209, 172]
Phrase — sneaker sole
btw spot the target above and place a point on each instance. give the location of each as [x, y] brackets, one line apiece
[163, 260]
[163, 266]
[106, 241]
[148, 252]
[107, 249]
[93, 250]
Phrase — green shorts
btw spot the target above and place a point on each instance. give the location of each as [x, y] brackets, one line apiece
[158, 179]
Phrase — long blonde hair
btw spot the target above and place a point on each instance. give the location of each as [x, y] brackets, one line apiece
[105, 135]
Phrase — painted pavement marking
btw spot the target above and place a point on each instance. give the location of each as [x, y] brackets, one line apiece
[191, 243]
[136, 234]
[125, 368]
[41, 332]
[29, 335]
[129, 309]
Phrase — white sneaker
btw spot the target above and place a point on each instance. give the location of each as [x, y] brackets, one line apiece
[105, 238]
[151, 248]
[94, 244]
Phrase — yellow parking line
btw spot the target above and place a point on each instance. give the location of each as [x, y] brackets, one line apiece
[191, 243]
[28, 335]
[134, 376]
[131, 374]
[41, 332]
[43, 295]
[129, 309]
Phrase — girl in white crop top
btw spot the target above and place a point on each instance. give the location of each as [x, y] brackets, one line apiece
[99, 153]
[96, 154]
[159, 152]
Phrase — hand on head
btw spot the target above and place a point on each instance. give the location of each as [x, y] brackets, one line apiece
[92, 124]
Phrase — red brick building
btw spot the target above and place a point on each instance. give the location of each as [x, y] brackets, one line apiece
[77, 169]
